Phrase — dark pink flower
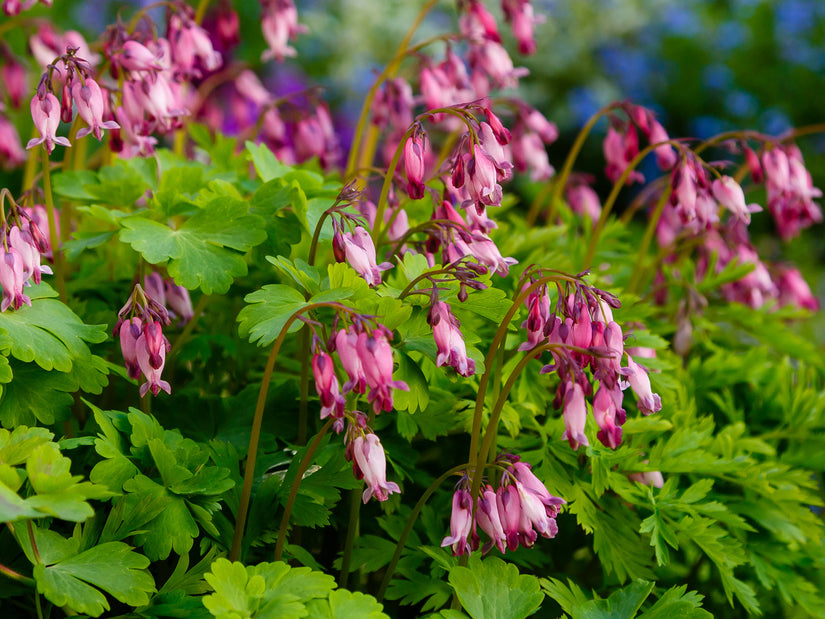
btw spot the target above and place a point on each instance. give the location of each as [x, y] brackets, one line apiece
[129, 332]
[414, 163]
[375, 354]
[326, 384]
[575, 416]
[488, 519]
[135, 56]
[508, 503]
[794, 290]
[604, 412]
[448, 339]
[462, 536]
[619, 151]
[178, 300]
[12, 279]
[24, 243]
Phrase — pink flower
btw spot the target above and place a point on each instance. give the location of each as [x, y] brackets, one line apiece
[462, 536]
[520, 15]
[14, 79]
[508, 503]
[179, 302]
[326, 384]
[477, 23]
[524, 475]
[619, 151]
[151, 348]
[538, 313]
[11, 150]
[584, 200]
[489, 520]
[12, 279]
[648, 402]
[534, 512]
[129, 333]
[375, 354]
[279, 24]
[360, 253]
[414, 164]
[794, 290]
[448, 339]
[604, 412]
[730, 195]
[155, 288]
[24, 243]
[46, 116]
[575, 416]
[137, 57]
[346, 345]
[487, 253]
[648, 478]
[90, 105]
[372, 465]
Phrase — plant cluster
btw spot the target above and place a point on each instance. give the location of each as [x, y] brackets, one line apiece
[470, 358]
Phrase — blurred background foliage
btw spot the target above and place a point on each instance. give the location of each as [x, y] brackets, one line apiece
[704, 66]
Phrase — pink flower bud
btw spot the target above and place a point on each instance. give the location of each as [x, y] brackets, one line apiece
[414, 164]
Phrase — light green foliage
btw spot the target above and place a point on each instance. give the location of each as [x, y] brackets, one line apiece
[264, 591]
[28, 455]
[492, 589]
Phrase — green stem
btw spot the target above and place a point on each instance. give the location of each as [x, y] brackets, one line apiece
[611, 199]
[402, 540]
[561, 179]
[388, 73]
[423, 276]
[303, 386]
[352, 532]
[293, 491]
[190, 326]
[33, 542]
[53, 238]
[10, 573]
[636, 275]
[489, 361]
[37, 606]
[257, 420]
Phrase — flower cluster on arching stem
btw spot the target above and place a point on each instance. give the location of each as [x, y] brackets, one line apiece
[25, 235]
[512, 514]
[139, 328]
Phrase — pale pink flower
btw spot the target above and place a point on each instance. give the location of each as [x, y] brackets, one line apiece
[326, 384]
[12, 279]
[360, 253]
[730, 195]
[414, 165]
[129, 332]
[346, 343]
[648, 402]
[488, 519]
[46, 116]
[372, 464]
[575, 416]
[89, 101]
[279, 24]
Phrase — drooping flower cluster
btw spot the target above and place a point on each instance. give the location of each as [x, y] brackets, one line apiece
[621, 144]
[172, 296]
[513, 514]
[580, 332]
[24, 243]
[140, 330]
[72, 74]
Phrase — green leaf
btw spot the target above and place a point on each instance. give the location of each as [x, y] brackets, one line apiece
[265, 162]
[200, 252]
[676, 604]
[266, 590]
[113, 567]
[13, 508]
[493, 589]
[49, 333]
[267, 312]
[343, 604]
[173, 528]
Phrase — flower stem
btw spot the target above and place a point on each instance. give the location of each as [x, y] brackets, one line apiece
[561, 179]
[636, 275]
[303, 386]
[388, 73]
[293, 491]
[352, 532]
[10, 573]
[611, 199]
[53, 238]
[257, 420]
[402, 540]
[385, 188]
